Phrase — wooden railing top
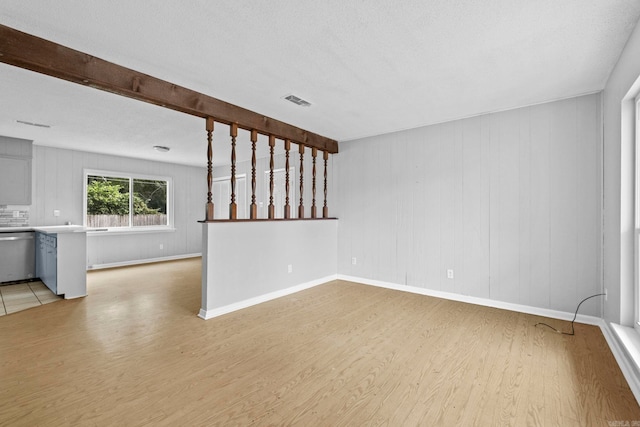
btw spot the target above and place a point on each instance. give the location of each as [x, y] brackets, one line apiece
[36, 54]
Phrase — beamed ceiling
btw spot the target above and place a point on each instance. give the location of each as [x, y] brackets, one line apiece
[367, 68]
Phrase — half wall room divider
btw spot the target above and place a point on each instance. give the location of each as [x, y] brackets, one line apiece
[242, 259]
[249, 261]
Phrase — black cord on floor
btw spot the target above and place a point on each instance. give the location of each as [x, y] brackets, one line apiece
[574, 317]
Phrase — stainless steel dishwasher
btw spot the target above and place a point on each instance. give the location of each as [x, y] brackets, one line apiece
[17, 256]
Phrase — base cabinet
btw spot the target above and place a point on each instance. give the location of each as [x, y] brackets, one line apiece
[47, 260]
[61, 262]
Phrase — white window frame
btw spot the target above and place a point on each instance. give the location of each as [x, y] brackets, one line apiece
[130, 176]
[636, 255]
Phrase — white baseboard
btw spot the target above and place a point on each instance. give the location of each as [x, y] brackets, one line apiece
[614, 335]
[142, 261]
[209, 314]
[521, 308]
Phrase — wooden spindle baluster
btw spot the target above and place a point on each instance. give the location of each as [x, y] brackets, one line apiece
[233, 207]
[254, 208]
[272, 208]
[325, 209]
[287, 207]
[314, 153]
[209, 211]
[301, 207]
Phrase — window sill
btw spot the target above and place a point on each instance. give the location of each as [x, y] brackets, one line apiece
[630, 340]
[125, 231]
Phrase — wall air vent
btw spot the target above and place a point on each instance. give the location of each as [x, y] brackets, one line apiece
[298, 101]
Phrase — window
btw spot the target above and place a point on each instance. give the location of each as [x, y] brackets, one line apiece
[126, 201]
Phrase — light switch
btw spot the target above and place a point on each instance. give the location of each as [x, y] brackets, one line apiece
[56, 212]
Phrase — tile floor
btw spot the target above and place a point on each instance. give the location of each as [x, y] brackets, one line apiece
[24, 295]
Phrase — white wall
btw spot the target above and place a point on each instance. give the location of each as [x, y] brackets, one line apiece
[619, 186]
[510, 201]
[58, 184]
[247, 262]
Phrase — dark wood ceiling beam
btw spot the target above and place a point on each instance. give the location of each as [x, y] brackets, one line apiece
[33, 53]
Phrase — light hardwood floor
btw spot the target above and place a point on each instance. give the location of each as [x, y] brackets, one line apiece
[134, 353]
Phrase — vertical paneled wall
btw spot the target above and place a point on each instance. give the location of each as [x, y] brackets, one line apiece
[58, 184]
[510, 201]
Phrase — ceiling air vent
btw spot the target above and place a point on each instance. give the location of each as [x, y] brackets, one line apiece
[38, 125]
[298, 101]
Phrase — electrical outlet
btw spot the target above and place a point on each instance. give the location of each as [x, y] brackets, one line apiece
[290, 268]
[56, 212]
[605, 294]
[354, 261]
[161, 246]
[449, 274]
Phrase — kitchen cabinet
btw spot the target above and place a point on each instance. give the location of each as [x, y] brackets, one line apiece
[47, 260]
[15, 181]
[61, 262]
[15, 171]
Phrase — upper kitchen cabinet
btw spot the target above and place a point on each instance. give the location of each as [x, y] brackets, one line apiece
[15, 171]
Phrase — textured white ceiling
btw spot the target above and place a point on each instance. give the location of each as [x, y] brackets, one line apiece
[368, 67]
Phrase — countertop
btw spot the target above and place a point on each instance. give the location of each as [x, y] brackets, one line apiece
[54, 229]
